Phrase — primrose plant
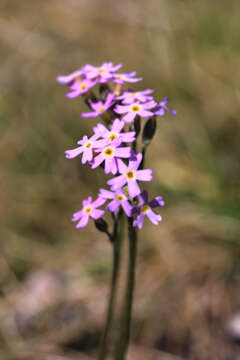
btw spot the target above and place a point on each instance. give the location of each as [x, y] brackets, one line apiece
[114, 146]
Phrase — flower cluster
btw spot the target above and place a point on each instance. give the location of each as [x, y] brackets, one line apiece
[113, 144]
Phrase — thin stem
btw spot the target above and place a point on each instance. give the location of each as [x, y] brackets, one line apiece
[125, 320]
[116, 241]
[144, 149]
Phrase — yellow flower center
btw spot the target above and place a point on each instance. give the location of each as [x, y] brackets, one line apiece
[119, 76]
[87, 209]
[145, 209]
[83, 87]
[113, 136]
[120, 197]
[133, 94]
[135, 108]
[101, 70]
[130, 175]
[88, 145]
[101, 109]
[109, 152]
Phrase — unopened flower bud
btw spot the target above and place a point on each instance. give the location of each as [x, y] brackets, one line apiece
[118, 89]
[101, 225]
[137, 125]
[149, 131]
[104, 90]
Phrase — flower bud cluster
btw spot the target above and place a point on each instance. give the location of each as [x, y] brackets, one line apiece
[113, 142]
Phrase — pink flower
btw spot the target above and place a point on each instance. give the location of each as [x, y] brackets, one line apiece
[135, 109]
[104, 72]
[115, 132]
[99, 107]
[125, 77]
[79, 87]
[162, 108]
[118, 199]
[89, 209]
[86, 148]
[111, 154]
[129, 175]
[129, 97]
[67, 79]
[145, 209]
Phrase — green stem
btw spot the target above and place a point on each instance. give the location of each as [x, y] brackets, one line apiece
[125, 320]
[116, 241]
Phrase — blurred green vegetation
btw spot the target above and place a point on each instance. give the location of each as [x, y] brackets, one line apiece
[188, 51]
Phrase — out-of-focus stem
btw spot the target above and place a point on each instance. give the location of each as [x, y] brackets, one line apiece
[116, 240]
[125, 320]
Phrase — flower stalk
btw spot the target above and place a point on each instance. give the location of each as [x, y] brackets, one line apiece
[126, 313]
[116, 239]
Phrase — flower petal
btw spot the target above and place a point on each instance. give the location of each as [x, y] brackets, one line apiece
[122, 168]
[117, 182]
[145, 113]
[144, 175]
[96, 214]
[134, 164]
[113, 206]
[83, 222]
[129, 117]
[123, 152]
[70, 154]
[153, 217]
[106, 194]
[127, 208]
[133, 188]
[97, 161]
[139, 221]
[87, 156]
[98, 202]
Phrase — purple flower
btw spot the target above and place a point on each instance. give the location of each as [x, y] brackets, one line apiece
[162, 107]
[125, 77]
[118, 199]
[115, 132]
[135, 109]
[99, 107]
[87, 146]
[79, 87]
[129, 97]
[89, 209]
[111, 154]
[145, 209]
[104, 72]
[129, 175]
[67, 79]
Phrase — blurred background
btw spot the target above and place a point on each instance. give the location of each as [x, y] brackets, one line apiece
[54, 279]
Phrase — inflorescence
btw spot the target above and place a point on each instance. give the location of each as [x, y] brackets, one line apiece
[113, 145]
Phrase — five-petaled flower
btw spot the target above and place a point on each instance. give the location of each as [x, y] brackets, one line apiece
[135, 109]
[89, 209]
[68, 79]
[125, 77]
[129, 97]
[111, 154]
[104, 72]
[118, 199]
[87, 147]
[115, 132]
[144, 209]
[99, 107]
[79, 87]
[130, 175]
[162, 108]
